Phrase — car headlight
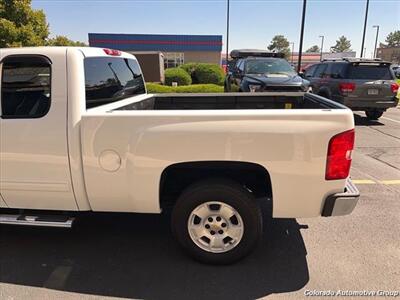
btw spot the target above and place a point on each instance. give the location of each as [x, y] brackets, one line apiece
[254, 88]
[306, 86]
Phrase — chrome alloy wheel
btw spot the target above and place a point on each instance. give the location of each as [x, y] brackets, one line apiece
[215, 227]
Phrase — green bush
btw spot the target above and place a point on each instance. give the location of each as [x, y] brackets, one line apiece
[208, 73]
[190, 68]
[205, 73]
[178, 75]
[154, 88]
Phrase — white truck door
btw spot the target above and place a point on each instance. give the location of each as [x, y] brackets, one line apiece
[34, 163]
[2, 203]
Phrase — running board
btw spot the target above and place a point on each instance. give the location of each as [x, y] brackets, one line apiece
[44, 221]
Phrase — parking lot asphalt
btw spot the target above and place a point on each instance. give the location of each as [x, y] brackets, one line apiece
[135, 256]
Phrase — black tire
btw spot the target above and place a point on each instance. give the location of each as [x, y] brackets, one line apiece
[373, 114]
[227, 192]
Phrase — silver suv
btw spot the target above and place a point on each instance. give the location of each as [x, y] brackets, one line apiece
[360, 84]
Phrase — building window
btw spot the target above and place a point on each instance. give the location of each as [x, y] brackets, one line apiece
[25, 87]
[173, 60]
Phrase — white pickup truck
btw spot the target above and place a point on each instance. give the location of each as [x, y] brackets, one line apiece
[79, 133]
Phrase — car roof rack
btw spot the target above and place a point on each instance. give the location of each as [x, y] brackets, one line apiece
[356, 60]
[242, 53]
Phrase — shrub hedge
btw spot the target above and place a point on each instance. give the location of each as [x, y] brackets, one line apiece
[154, 88]
[190, 68]
[205, 73]
[209, 73]
[178, 75]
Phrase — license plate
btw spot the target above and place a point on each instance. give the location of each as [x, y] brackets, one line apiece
[373, 91]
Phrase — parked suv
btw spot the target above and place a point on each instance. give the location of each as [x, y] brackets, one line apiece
[396, 70]
[261, 71]
[360, 84]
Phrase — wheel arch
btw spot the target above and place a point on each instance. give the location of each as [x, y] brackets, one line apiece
[176, 177]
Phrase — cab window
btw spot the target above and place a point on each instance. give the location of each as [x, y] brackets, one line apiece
[25, 87]
[110, 79]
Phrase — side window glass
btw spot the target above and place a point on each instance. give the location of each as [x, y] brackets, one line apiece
[241, 66]
[238, 63]
[337, 70]
[25, 87]
[310, 71]
[110, 79]
[320, 71]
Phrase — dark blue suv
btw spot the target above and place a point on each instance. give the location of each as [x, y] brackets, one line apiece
[261, 71]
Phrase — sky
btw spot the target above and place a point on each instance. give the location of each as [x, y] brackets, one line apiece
[253, 23]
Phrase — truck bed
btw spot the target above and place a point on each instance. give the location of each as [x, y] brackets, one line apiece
[296, 100]
[285, 133]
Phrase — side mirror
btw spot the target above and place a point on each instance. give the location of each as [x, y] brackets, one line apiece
[238, 73]
[302, 74]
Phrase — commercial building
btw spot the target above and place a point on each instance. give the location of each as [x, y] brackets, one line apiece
[391, 54]
[308, 58]
[174, 49]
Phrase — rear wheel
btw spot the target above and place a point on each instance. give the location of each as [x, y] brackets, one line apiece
[217, 221]
[373, 114]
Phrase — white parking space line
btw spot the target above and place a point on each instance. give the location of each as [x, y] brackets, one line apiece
[370, 181]
[390, 181]
[396, 121]
[363, 181]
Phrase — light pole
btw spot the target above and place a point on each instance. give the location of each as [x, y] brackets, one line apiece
[227, 33]
[376, 38]
[303, 18]
[322, 46]
[365, 28]
[292, 43]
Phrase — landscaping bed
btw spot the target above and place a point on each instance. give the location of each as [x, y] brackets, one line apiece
[154, 88]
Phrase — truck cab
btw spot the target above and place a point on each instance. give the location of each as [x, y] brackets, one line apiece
[40, 133]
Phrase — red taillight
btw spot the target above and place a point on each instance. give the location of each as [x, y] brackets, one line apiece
[339, 155]
[347, 87]
[394, 87]
[112, 52]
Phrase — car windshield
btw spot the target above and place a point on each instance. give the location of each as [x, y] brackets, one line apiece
[269, 67]
[370, 72]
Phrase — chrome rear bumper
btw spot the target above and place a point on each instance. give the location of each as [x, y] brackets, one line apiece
[341, 204]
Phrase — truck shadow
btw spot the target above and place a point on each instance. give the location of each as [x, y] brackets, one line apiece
[135, 256]
[364, 121]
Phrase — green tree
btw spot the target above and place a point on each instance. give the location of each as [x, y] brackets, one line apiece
[20, 25]
[393, 39]
[313, 49]
[61, 40]
[280, 44]
[342, 45]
